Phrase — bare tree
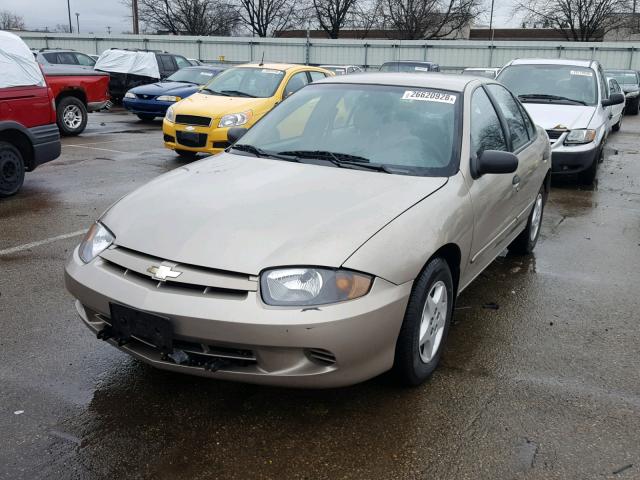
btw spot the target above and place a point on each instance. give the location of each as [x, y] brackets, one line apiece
[423, 19]
[62, 28]
[265, 17]
[188, 17]
[10, 21]
[579, 20]
[333, 15]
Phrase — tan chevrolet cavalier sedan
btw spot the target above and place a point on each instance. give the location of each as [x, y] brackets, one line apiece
[328, 244]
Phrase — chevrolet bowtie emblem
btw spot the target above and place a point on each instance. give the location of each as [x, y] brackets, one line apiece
[163, 272]
[189, 128]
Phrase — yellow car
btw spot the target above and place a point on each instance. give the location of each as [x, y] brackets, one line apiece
[239, 96]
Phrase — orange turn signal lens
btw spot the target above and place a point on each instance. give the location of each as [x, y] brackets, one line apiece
[352, 284]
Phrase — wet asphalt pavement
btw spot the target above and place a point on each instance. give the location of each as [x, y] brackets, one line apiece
[545, 386]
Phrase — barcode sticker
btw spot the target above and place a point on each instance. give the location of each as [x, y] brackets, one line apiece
[429, 96]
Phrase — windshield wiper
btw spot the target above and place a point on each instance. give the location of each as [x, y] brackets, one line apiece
[237, 92]
[258, 152]
[214, 92]
[184, 81]
[343, 160]
[542, 96]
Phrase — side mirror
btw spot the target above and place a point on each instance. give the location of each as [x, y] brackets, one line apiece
[614, 99]
[234, 134]
[494, 161]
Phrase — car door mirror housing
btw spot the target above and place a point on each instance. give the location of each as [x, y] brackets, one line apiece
[614, 99]
[494, 161]
[234, 134]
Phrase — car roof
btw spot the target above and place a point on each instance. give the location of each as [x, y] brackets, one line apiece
[621, 70]
[205, 67]
[421, 62]
[552, 61]
[442, 81]
[276, 66]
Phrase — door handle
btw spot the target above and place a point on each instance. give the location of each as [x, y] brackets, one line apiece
[516, 182]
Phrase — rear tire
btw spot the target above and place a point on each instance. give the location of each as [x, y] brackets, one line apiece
[145, 118]
[426, 324]
[524, 243]
[71, 116]
[11, 169]
[186, 154]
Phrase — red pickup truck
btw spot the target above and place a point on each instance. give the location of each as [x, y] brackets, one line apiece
[28, 133]
[77, 90]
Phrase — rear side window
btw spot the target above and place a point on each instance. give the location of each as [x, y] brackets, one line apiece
[167, 63]
[316, 76]
[296, 82]
[511, 112]
[486, 130]
[182, 62]
[86, 60]
[531, 128]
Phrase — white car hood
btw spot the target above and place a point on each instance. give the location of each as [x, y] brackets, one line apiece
[551, 115]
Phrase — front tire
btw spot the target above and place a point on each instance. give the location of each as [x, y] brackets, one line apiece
[426, 324]
[72, 116]
[524, 243]
[145, 117]
[11, 169]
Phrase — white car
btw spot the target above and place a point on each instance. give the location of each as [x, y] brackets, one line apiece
[617, 111]
[342, 69]
[570, 99]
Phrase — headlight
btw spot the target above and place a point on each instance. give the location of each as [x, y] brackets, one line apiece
[235, 119]
[170, 115]
[168, 98]
[302, 286]
[96, 241]
[130, 95]
[577, 137]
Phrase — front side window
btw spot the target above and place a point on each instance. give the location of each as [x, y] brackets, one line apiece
[486, 130]
[561, 84]
[316, 76]
[410, 130]
[182, 62]
[167, 63]
[246, 82]
[296, 82]
[511, 112]
[85, 60]
[613, 86]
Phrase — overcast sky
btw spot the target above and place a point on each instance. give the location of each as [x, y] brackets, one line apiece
[96, 15]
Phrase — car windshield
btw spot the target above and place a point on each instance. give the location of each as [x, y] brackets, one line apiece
[404, 130]
[404, 67]
[551, 83]
[198, 76]
[623, 78]
[246, 82]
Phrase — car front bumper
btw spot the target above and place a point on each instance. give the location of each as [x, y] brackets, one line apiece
[328, 346]
[568, 160]
[146, 107]
[212, 140]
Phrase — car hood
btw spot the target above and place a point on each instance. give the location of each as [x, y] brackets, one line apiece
[178, 89]
[208, 105]
[244, 214]
[626, 88]
[551, 115]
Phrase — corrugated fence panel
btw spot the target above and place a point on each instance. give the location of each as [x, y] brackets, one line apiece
[450, 54]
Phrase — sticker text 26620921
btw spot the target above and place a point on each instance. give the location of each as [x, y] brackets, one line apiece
[429, 96]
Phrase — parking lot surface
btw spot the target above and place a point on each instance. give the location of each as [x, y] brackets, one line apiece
[540, 377]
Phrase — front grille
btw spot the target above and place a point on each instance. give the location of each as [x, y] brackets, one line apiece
[555, 134]
[145, 97]
[193, 120]
[189, 139]
[321, 356]
[192, 280]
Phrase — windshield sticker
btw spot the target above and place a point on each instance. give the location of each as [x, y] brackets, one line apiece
[421, 69]
[268, 70]
[581, 73]
[427, 96]
[206, 74]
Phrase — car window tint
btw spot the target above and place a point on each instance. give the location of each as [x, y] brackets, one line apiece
[167, 63]
[531, 128]
[85, 60]
[296, 82]
[486, 130]
[182, 62]
[51, 57]
[316, 76]
[511, 112]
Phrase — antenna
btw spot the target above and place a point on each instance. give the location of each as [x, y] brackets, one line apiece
[261, 61]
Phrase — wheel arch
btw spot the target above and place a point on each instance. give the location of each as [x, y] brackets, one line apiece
[72, 92]
[451, 254]
[22, 142]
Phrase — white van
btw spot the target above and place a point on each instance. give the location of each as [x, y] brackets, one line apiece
[570, 99]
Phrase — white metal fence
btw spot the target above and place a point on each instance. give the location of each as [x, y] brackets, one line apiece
[450, 54]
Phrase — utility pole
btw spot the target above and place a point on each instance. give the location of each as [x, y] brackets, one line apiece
[69, 11]
[78, 23]
[134, 17]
